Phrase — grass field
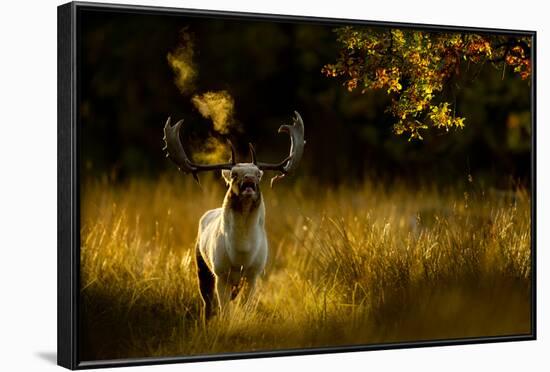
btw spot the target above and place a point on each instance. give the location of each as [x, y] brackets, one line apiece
[360, 264]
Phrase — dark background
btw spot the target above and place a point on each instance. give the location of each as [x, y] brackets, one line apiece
[127, 91]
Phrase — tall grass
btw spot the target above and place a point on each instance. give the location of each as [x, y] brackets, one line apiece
[348, 265]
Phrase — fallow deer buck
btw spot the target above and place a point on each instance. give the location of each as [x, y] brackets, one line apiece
[231, 246]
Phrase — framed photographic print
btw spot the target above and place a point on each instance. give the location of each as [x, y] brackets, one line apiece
[235, 185]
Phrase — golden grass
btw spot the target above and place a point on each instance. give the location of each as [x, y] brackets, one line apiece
[348, 265]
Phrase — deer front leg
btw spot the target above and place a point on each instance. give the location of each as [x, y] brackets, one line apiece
[223, 289]
[206, 287]
[248, 289]
[251, 274]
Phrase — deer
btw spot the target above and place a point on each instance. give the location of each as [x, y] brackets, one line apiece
[231, 248]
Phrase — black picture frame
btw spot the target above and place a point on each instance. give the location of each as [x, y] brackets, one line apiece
[68, 187]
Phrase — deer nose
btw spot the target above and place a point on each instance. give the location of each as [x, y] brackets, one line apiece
[250, 178]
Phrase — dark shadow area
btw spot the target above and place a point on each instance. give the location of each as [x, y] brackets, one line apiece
[270, 69]
[48, 356]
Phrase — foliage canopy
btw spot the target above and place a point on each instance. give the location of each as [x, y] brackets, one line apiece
[415, 67]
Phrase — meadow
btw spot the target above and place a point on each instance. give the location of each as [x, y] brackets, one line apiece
[353, 264]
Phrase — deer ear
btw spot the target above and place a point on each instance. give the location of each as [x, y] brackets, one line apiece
[226, 174]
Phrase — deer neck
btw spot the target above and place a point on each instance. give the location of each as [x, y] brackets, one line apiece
[242, 217]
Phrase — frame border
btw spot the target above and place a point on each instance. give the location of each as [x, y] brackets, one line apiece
[68, 185]
[68, 249]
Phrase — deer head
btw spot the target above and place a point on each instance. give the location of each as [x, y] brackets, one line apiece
[243, 178]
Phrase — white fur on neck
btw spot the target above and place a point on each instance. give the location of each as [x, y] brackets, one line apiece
[243, 230]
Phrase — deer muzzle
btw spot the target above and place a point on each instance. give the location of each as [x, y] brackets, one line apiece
[249, 185]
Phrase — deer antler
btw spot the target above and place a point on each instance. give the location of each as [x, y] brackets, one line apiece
[297, 143]
[176, 153]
